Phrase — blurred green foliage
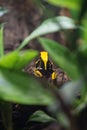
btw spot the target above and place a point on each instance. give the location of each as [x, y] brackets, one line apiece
[73, 4]
[49, 26]
[16, 86]
[1, 42]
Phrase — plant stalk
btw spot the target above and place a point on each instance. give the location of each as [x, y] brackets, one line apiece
[6, 113]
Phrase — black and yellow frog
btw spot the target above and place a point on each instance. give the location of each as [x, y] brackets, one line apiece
[44, 67]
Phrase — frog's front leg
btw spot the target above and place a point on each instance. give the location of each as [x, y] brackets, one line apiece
[54, 75]
[37, 73]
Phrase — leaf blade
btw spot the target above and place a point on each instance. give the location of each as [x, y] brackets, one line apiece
[1, 41]
[73, 4]
[41, 116]
[21, 88]
[62, 57]
[49, 26]
[17, 60]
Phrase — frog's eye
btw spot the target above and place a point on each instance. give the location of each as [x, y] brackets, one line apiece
[54, 75]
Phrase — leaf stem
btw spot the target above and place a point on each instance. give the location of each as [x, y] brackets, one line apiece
[1, 41]
[6, 113]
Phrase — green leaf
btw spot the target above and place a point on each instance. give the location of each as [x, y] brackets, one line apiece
[83, 49]
[1, 41]
[72, 4]
[40, 116]
[21, 88]
[83, 101]
[62, 57]
[74, 88]
[62, 119]
[17, 60]
[74, 14]
[49, 26]
[84, 29]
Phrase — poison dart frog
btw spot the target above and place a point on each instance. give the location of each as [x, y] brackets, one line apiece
[44, 67]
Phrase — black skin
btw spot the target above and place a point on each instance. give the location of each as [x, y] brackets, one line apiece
[40, 66]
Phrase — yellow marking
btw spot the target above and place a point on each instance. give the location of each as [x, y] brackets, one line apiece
[44, 57]
[54, 75]
[37, 73]
[37, 61]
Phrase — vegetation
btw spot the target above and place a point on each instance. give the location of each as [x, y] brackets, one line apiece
[18, 87]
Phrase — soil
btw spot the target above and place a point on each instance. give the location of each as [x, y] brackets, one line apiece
[21, 20]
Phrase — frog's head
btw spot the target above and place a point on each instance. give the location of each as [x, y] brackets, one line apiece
[44, 58]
